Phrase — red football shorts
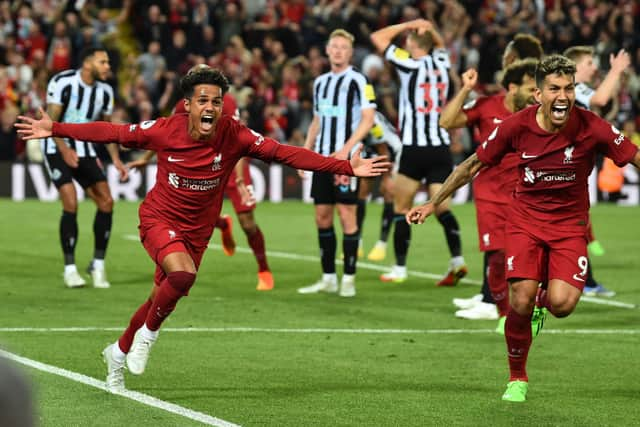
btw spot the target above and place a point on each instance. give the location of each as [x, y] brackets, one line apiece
[160, 240]
[540, 253]
[491, 218]
[231, 190]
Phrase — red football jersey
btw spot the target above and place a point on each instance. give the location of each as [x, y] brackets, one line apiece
[498, 183]
[553, 168]
[192, 173]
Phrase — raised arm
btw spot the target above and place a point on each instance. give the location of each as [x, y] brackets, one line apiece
[609, 85]
[382, 38]
[453, 116]
[461, 175]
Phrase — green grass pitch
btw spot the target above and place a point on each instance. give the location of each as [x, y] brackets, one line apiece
[313, 360]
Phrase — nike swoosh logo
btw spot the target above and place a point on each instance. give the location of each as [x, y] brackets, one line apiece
[173, 159]
[497, 121]
[528, 156]
[578, 278]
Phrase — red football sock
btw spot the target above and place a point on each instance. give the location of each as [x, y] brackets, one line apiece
[221, 224]
[136, 322]
[498, 282]
[256, 241]
[174, 287]
[517, 332]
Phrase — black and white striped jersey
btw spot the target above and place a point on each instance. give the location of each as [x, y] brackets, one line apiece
[81, 103]
[338, 100]
[583, 95]
[424, 85]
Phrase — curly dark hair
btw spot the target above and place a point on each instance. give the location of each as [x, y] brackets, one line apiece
[203, 76]
[554, 64]
[514, 73]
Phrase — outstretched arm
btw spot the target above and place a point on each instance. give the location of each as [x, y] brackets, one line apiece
[99, 132]
[301, 158]
[461, 175]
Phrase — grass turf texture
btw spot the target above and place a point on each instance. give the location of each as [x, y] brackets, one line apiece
[277, 378]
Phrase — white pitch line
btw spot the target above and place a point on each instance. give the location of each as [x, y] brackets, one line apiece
[363, 331]
[133, 395]
[376, 267]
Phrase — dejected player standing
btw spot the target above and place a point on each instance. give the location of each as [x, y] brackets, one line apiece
[196, 154]
[556, 144]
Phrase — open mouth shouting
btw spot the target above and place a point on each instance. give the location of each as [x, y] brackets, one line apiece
[206, 122]
[559, 111]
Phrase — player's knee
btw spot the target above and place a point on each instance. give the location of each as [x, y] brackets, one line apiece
[105, 204]
[181, 281]
[563, 306]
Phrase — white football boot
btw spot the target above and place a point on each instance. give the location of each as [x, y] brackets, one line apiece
[348, 286]
[325, 284]
[73, 279]
[138, 355]
[115, 370]
[466, 303]
[480, 311]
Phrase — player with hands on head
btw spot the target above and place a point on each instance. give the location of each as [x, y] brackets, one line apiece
[423, 69]
[196, 155]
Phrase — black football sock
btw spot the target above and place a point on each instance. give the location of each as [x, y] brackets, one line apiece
[452, 232]
[327, 240]
[387, 221]
[350, 249]
[401, 238]
[69, 236]
[101, 233]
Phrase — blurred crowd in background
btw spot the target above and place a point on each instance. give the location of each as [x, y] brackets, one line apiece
[272, 50]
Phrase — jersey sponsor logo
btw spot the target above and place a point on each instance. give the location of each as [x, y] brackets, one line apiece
[73, 115]
[174, 159]
[619, 139]
[174, 180]
[325, 108]
[192, 184]
[529, 156]
[147, 124]
[531, 176]
[568, 154]
[216, 162]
